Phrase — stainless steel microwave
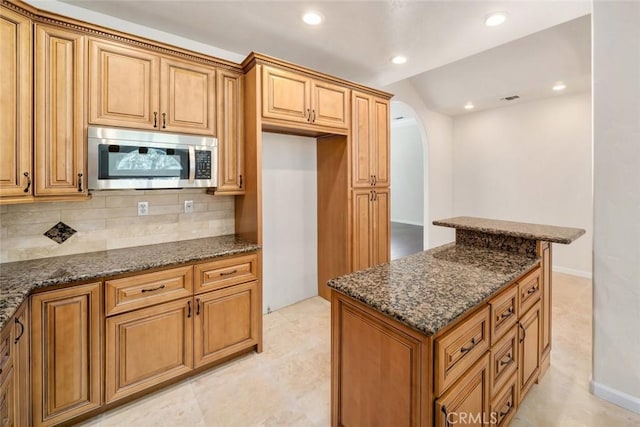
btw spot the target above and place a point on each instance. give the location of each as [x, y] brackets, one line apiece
[133, 159]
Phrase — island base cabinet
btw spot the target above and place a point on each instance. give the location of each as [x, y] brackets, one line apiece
[226, 321]
[467, 401]
[148, 346]
[529, 349]
[22, 369]
[66, 359]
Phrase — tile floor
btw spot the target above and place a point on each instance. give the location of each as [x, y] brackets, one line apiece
[406, 239]
[289, 383]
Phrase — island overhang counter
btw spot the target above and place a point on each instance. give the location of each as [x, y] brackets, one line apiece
[456, 334]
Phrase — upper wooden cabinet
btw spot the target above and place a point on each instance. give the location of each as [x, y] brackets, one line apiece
[133, 87]
[295, 97]
[231, 179]
[60, 158]
[15, 108]
[370, 141]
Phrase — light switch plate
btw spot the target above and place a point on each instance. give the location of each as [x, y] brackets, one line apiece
[188, 206]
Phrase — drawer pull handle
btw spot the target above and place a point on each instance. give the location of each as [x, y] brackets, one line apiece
[524, 332]
[240, 180]
[506, 411]
[229, 273]
[466, 349]
[446, 416]
[532, 290]
[26, 189]
[153, 289]
[19, 323]
[308, 115]
[80, 182]
[155, 119]
[197, 306]
[508, 361]
[188, 309]
[164, 120]
[375, 179]
[507, 313]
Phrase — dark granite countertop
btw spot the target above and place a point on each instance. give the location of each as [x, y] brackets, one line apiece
[428, 290]
[549, 233]
[19, 279]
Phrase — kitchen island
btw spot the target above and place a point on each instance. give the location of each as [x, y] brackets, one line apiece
[454, 335]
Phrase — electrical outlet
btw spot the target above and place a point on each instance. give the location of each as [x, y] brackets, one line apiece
[143, 208]
[188, 206]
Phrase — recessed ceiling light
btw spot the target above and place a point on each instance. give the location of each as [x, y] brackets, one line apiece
[312, 18]
[495, 19]
[469, 106]
[559, 86]
[399, 59]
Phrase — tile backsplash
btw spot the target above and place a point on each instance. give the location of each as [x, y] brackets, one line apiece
[110, 220]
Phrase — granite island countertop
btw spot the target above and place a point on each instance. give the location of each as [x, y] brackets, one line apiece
[428, 290]
[19, 279]
[549, 233]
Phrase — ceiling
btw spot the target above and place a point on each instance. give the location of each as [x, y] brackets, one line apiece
[358, 38]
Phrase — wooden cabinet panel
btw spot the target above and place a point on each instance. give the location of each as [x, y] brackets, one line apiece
[467, 402]
[144, 290]
[360, 140]
[504, 312]
[7, 403]
[230, 133]
[381, 226]
[380, 142]
[505, 403]
[504, 359]
[544, 250]
[285, 95]
[59, 112]
[378, 371]
[148, 346]
[529, 291]
[15, 109]
[225, 272]
[123, 86]
[226, 321]
[529, 349]
[330, 105]
[21, 367]
[187, 97]
[362, 242]
[459, 348]
[66, 354]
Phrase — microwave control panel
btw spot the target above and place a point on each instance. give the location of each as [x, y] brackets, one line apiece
[203, 164]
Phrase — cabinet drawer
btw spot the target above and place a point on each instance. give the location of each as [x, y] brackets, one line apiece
[504, 405]
[503, 312]
[143, 290]
[459, 348]
[504, 359]
[5, 352]
[529, 290]
[225, 272]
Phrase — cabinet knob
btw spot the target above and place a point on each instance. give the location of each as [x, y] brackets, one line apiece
[26, 189]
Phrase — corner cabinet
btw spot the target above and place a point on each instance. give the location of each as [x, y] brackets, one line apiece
[15, 109]
[133, 87]
[231, 179]
[66, 353]
[370, 141]
[59, 112]
[371, 230]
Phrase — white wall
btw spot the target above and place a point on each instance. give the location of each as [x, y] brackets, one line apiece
[529, 162]
[616, 249]
[289, 220]
[436, 130]
[407, 174]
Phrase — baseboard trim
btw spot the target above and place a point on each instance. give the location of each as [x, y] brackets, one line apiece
[573, 272]
[614, 396]
[402, 221]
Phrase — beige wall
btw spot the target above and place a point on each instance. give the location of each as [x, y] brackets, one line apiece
[109, 221]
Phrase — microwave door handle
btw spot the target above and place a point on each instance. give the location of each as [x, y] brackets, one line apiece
[192, 164]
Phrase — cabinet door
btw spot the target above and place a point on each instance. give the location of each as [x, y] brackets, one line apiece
[226, 321]
[230, 133]
[330, 105]
[529, 349]
[22, 381]
[380, 226]
[7, 403]
[148, 346]
[15, 108]
[285, 95]
[467, 401]
[362, 239]
[361, 140]
[65, 345]
[59, 112]
[380, 142]
[187, 97]
[123, 86]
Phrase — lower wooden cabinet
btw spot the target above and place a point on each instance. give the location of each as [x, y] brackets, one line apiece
[7, 403]
[148, 346]
[226, 321]
[467, 402]
[529, 349]
[66, 353]
[21, 367]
